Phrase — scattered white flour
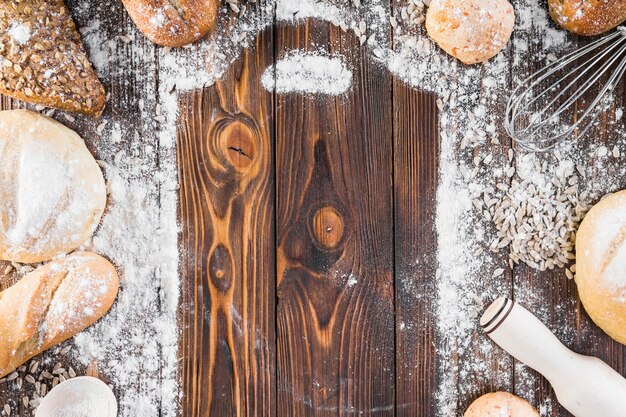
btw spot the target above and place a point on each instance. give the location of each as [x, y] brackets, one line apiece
[158, 19]
[136, 344]
[139, 233]
[308, 72]
[20, 33]
[287, 10]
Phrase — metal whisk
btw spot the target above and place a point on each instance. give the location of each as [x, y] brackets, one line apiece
[552, 105]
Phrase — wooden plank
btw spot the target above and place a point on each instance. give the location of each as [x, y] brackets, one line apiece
[549, 294]
[225, 148]
[335, 317]
[416, 168]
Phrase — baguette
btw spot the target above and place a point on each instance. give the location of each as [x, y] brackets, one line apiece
[588, 17]
[173, 22]
[52, 304]
[42, 59]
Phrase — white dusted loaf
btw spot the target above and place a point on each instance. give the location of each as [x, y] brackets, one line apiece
[52, 193]
[601, 264]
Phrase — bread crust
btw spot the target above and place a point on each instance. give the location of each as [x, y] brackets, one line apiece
[588, 17]
[600, 268]
[500, 404]
[42, 59]
[474, 30]
[52, 304]
[173, 22]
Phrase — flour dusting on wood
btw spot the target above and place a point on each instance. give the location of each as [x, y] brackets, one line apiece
[308, 72]
[136, 344]
[474, 248]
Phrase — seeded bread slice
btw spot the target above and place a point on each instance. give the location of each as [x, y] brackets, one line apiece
[42, 59]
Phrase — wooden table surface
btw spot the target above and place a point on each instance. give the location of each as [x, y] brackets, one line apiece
[302, 218]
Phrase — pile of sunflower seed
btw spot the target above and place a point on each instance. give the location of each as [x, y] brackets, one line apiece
[36, 379]
[415, 11]
[536, 216]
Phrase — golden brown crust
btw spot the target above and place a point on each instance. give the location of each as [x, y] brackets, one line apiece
[474, 30]
[601, 266]
[500, 404]
[42, 59]
[588, 17]
[173, 22]
[52, 304]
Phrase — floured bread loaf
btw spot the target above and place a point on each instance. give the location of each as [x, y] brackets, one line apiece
[500, 404]
[53, 303]
[52, 193]
[601, 264]
[173, 23]
[472, 30]
[42, 59]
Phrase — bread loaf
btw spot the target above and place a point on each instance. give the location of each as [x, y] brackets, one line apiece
[588, 17]
[52, 193]
[173, 23]
[42, 59]
[53, 303]
[500, 404]
[473, 30]
[601, 264]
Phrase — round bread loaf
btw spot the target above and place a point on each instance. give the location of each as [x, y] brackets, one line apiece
[601, 264]
[173, 24]
[52, 193]
[500, 404]
[588, 17]
[473, 30]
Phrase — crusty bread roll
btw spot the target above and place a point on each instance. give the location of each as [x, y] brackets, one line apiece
[173, 23]
[500, 404]
[53, 303]
[588, 17]
[42, 59]
[473, 30]
[601, 264]
[52, 193]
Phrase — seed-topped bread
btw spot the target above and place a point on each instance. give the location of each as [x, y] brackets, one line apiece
[42, 59]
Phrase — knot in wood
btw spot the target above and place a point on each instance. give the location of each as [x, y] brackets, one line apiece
[238, 143]
[328, 227]
[220, 268]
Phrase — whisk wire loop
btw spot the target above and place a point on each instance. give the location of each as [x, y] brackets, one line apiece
[537, 107]
[580, 91]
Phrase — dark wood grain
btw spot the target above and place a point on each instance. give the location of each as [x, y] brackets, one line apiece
[416, 169]
[308, 239]
[226, 172]
[335, 238]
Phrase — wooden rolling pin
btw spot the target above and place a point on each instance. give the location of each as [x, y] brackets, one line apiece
[584, 385]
